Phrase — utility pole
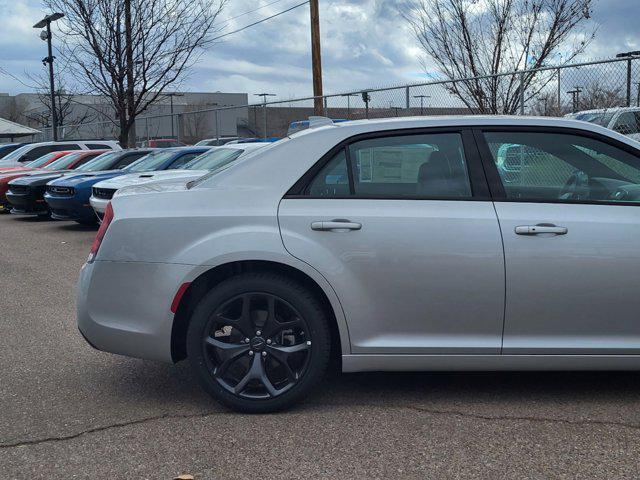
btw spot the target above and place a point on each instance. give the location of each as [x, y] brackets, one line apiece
[131, 110]
[46, 35]
[575, 98]
[316, 60]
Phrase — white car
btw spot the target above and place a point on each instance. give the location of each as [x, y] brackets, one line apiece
[104, 191]
[390, 244]
[624, 120]
[32, 151]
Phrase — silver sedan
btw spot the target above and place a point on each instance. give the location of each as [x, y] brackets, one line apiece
[448, 243]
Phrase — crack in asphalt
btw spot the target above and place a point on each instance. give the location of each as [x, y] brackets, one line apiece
[457, 413]
[38, 441]
[453, 413]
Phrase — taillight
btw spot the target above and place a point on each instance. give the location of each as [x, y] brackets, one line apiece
[106, 220]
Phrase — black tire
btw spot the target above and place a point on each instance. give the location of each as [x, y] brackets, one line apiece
[296, 306]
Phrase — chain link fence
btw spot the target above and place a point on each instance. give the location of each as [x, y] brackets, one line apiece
[549, 91]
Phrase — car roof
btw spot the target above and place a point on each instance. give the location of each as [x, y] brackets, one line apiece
[609, 110]
[354, 127]
[245, 146]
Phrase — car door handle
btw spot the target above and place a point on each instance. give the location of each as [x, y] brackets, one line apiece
[540, 229]
[337, 224]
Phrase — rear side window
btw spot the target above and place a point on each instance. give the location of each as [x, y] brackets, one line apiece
[409, 166]
[127, 160]
[97, 146]
[627, 123]
[333, 179]
[563, 167]
[86, 158]
[184, 159]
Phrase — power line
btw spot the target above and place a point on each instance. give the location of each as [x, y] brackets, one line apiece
[252, 11]
[260, 21]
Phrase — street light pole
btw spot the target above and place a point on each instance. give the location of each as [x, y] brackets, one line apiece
[264, 110]
[46, 35]
[349, 95]
[171, 95]
[422, 97]
[629, 56]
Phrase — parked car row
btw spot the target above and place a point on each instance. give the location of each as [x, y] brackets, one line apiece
[60, 184]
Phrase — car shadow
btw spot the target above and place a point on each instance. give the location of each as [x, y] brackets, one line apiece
[30, 219]
[78, 227]
[519, 394]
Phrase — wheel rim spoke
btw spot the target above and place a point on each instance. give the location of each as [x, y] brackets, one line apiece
[243, 323]
[227, 352]
[256, 372]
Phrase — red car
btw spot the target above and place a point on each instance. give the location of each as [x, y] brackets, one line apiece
[53, 161]
[38, 163]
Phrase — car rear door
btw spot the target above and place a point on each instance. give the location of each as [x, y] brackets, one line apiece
[402, 227]
[570, 223]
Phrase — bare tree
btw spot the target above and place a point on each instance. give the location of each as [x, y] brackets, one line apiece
[69, 109]
[131, 51]
[196, 122]
[597, 94]
[478, 39]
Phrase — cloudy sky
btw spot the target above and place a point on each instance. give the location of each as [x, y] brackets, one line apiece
[365, 44]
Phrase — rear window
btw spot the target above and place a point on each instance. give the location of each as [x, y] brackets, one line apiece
[43, 160]
[98, 146]
[214, 159]
[101, 162]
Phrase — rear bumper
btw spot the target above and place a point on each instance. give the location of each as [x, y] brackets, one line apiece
[69, 208]
[139, 324]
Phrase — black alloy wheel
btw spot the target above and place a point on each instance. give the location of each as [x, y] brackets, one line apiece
[259, 342]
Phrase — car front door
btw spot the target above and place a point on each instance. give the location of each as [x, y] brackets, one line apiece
[402, 227]
[571, 230]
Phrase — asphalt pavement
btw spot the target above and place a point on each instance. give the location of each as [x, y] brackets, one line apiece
[68, 411]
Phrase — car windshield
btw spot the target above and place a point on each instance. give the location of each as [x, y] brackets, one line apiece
[16, 154]
[601, 119]
[64, 162]
[151, 162]
[43, 160]
[214, 159]
[101, 162]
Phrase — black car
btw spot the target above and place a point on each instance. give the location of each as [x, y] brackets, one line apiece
[26, 194]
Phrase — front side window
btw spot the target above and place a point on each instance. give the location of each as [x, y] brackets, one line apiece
[407, 166]
[563, 167]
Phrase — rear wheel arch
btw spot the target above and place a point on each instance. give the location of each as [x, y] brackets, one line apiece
[209, 279]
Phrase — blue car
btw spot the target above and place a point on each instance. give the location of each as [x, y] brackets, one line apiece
[68, 197]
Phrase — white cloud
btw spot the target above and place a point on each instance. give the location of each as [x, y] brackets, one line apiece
[365, 43]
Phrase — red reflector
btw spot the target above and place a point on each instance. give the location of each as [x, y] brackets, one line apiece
[176, 300]
[108, 216]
